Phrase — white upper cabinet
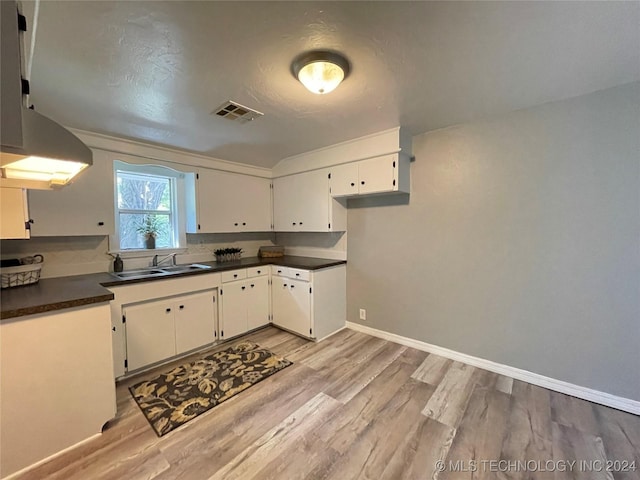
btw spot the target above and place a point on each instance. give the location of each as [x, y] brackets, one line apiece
[385, 174]
[302, 203]
[230, 202]
[14, 213]
[344, 180]
[84, 207]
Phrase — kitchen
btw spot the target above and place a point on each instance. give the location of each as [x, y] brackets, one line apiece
[509, 243]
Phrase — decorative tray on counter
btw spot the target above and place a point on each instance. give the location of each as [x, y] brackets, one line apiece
[271, 251]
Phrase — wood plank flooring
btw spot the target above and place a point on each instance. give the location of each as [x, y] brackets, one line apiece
[358, 407]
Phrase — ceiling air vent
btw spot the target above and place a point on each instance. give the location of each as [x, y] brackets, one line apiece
[235, 111]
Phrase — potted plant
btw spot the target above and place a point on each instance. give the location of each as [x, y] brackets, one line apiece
[149, 227]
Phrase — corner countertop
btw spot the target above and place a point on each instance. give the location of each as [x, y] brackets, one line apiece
[51, 294]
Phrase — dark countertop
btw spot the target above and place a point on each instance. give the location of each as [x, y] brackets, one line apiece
[52, 294]
[58, 293]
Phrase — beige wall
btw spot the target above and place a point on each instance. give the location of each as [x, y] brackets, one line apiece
[79, 255]
[314, 244]
[519, 242]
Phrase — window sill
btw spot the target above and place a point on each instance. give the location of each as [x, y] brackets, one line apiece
[146, 252]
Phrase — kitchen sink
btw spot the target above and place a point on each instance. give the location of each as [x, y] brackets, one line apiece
[185, 268]
[156, 271]
[139, 273]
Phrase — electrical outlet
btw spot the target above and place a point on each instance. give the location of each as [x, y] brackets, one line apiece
[363, 314]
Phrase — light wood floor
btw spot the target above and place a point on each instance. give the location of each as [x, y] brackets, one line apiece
[355, 406]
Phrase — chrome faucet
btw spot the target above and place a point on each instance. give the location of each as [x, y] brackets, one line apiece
[155, 262]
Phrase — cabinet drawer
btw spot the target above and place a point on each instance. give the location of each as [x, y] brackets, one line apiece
[279, 271]
[233, 275]
[257, 271]
[298, 274]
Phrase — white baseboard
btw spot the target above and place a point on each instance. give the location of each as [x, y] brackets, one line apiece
[50, 457]
[330, 335]
[620, 403]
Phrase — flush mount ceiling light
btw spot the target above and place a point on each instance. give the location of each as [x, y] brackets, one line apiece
[321, 71]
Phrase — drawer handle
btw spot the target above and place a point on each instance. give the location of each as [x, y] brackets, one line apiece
[181, 307]
[362, 182]
[235, 275]
[292, 286]
[244, 223]
[258, 271]
[279, 271]
[168, 310]
[353, 184]
[252, 285]
[236, 224]
[285, 285]
[294, 223]
[243, 287]
[100, 224]
[297, 274]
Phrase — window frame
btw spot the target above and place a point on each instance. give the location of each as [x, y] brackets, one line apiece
[177, 211]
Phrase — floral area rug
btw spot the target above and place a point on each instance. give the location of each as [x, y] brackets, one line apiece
[175, 397]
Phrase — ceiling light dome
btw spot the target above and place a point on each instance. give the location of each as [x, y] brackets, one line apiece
[321, 71]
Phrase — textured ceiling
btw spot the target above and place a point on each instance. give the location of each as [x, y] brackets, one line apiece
[153, 71]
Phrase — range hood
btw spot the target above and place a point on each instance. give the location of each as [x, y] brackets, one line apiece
[35, 152]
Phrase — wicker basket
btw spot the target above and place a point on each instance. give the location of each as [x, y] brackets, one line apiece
[20, 275]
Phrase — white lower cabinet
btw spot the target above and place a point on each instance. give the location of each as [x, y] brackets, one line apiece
[195, 321]
[161, 329]
[309, 303]
[152, 322]
[233, 316]
[57, 385]
[244, 304]
[258, 305]
[292, 305]
[150, 333]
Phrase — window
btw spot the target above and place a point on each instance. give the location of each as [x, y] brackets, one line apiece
[147, 213]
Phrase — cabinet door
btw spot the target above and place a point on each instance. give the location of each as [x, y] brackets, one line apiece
[291, 305]
[233, 321]
[13, 213]
[214, 214]
[300, 321]
[301, 202]
[251, 201]
[150, 333]
[344, 180]
[280, 301]
[194, 321]
[231, 202]
[378, 174]
[314, 201]
[286, 203]
[258, 302]
[84, 207]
